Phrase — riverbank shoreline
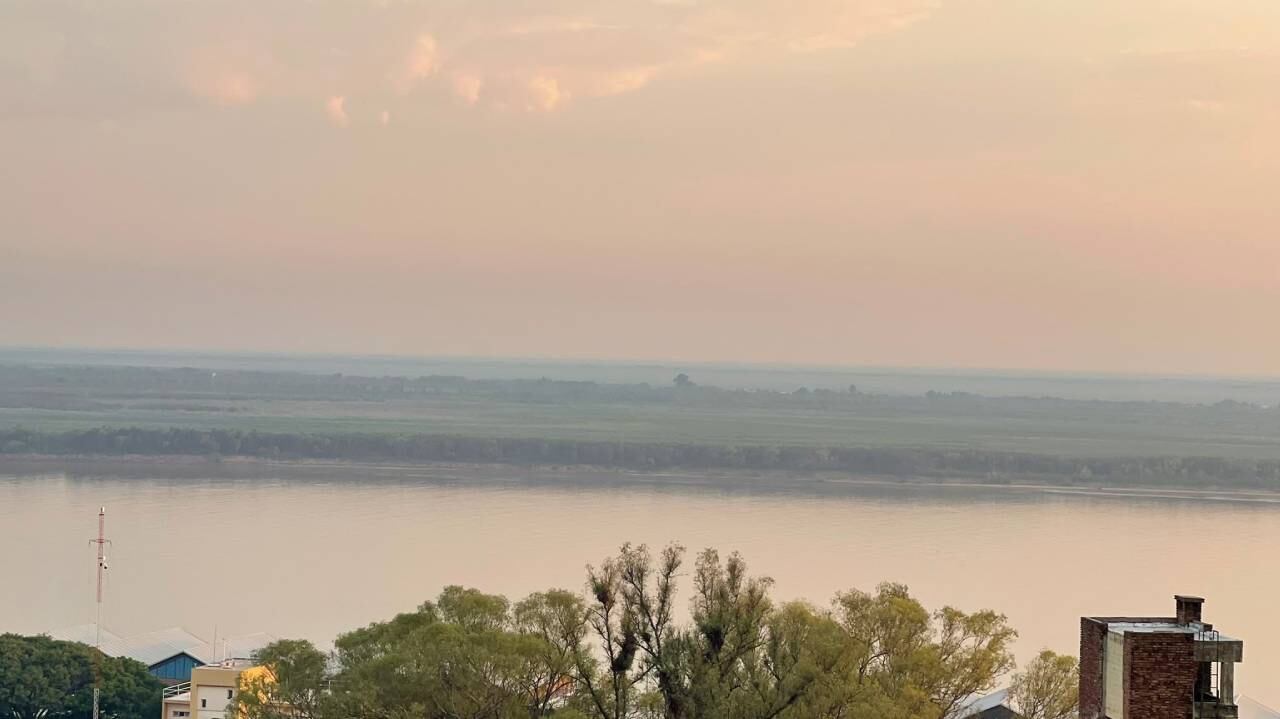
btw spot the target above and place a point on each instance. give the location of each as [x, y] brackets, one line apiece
[239, 467]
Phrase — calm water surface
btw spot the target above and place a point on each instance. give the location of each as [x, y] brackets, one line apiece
[316, 554]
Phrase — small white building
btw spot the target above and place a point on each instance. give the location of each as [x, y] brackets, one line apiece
[210, 691]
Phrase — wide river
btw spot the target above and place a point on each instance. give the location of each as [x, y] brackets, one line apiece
[311, 552]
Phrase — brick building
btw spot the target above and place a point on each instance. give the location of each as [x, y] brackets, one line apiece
[1175, 667]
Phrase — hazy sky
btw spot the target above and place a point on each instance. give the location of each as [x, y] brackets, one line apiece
[1080, 184]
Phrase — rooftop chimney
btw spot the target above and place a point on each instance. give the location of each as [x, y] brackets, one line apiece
[1189, 608]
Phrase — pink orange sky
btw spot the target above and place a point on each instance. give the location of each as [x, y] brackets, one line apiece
[1087, 185]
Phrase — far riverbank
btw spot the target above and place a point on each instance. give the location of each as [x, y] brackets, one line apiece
[180, 467]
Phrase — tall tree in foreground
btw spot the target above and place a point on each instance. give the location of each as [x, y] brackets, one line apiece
[1048, 688]
[467, 654]
[290, 684]
[40, 676]
[620, 653]
[43, 677]
[557, 621]
[630, 616]
[902, 661]
[128, 689]
[743, 657]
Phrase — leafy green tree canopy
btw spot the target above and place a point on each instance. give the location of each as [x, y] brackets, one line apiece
[1048, 687]
[43, 677]
[622, 650]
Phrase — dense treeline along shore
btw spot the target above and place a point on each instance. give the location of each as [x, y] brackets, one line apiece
[899, 462]
[54, 410]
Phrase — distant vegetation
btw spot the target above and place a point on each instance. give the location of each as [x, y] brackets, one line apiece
[683, 425]
[886, 462]
[619, 651]
[117, 387]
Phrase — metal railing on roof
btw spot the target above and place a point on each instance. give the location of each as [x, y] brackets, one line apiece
[175, 690]
[1214, 690]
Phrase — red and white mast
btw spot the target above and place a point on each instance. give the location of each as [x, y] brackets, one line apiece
[102, 543]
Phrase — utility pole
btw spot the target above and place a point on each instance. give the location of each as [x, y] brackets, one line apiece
[102, 543]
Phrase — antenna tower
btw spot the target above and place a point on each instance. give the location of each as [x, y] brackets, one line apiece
[102, 543]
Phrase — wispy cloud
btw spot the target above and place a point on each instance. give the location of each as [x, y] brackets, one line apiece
[523, 55]
[468, 87]
[336, 108]
[224, 86]
[420, 63]
[544, 93]
[540, 56]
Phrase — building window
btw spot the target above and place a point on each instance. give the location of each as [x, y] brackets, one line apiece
[228, 693]
[204, 703]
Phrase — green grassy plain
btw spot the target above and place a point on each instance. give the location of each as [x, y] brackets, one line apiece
[1085, 431]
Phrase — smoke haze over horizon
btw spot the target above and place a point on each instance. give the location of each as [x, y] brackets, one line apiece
[1082, 186]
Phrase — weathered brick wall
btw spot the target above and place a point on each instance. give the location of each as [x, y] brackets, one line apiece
[1162, 675]
[1093, 639]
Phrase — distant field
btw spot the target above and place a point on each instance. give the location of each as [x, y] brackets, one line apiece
[57, 399]
[780, 378]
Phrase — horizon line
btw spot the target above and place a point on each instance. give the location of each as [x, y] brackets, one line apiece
[672, 363]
